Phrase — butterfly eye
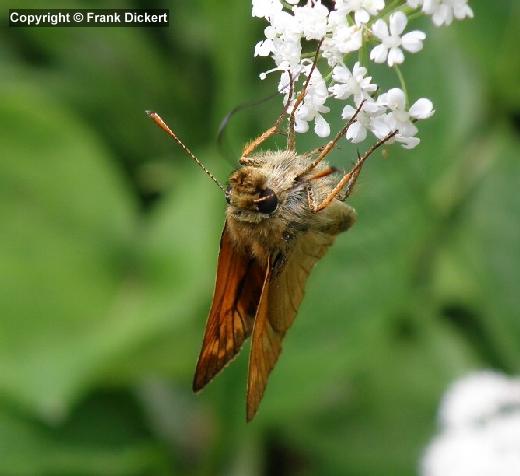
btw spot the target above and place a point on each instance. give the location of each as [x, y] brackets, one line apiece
[267, 202]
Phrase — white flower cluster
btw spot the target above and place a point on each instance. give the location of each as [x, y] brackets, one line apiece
[343, 34]
[443, 11]
[480, 429]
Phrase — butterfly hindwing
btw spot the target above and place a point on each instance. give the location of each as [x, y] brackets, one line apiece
[282, 294]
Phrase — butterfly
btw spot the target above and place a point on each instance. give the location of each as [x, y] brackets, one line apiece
[284, 210]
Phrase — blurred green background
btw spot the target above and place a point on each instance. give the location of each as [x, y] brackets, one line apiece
[109, 239]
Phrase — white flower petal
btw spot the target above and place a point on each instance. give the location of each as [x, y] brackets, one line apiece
[371, 107]
[270, 32]
[366, 84]
[381, 126]
[429, 6]
[398, 23]
[321, 126]
[323, 109]
[266, 8]
[396, 99]
[395, 56]
[340, 91]
[374, 6]
[348, 112]
[379, 53]
[422, 109]
[442, 15]
[304, 112]
[356, 133]
[406, 128]
[312, 20]
[408, 142]
[462, 10]
[382, 99]
[412, 41]
[341, 74]
[301, 126]
[361, 16]
[358, 70]
[380, 29]
[263, 48]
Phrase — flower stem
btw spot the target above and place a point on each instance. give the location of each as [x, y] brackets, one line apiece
[417, 14]
[403, 84]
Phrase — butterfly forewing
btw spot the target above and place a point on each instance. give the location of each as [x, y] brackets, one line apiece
[237, 293]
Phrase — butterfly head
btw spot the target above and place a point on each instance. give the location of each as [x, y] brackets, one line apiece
[248, 196]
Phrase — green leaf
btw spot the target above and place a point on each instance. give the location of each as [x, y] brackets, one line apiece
[67, 220]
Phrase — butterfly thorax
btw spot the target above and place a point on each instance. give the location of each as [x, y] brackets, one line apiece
[268, 207]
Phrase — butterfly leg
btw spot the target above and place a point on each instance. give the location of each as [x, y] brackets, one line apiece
[349, 180]
[251, 146]
[255, 143]
[331, 144]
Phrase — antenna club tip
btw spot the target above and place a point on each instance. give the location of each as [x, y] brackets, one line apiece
[150, 113]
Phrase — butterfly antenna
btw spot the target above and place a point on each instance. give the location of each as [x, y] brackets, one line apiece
[158, 120]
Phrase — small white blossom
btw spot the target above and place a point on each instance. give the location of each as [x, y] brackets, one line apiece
[283, 41]
[480, 429]
[362, 9]
[477, 397]
[422, 109]
[357, 132]
[343, 38]
[321, 126]
[351, 83]
[443, 11]
[395, 100]
[313, 20]
[313, 106]
[398, 118]
[385, 124]
[391, 41]
[342, 30]
[266, 8]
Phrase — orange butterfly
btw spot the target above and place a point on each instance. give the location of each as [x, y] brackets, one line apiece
[284, 211]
